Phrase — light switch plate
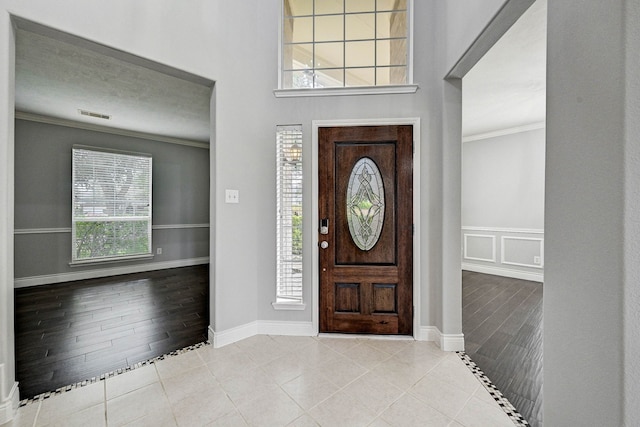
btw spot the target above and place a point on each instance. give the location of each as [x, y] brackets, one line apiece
[231, 196]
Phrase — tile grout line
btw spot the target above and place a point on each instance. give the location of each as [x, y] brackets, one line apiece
[497, 395]
[46, 395]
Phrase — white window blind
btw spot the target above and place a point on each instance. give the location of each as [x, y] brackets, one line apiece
[111, 212]
[289, 214]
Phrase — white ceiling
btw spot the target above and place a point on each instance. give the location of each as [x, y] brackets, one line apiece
[57, 78]
[507, 87]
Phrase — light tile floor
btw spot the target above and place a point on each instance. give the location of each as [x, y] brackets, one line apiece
[283, 381]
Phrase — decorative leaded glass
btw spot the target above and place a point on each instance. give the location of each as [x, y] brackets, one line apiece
[365, 204]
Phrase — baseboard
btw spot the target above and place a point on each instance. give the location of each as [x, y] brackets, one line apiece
[504, 272]
[8, 404]
[452, 342]
[446, 342]
[260, 327]
[48, 279]
[274, 327]
[428, 333]
[229, 336]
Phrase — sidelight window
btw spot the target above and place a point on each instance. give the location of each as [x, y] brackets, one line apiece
[111, 205]
[289, 214]
[345, 43]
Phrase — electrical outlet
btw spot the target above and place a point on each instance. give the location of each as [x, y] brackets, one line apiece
[159, 251]
[536, 260]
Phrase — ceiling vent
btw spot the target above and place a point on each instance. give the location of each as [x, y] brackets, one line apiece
[96, 115]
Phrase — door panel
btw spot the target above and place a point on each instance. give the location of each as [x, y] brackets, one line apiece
[366, 195]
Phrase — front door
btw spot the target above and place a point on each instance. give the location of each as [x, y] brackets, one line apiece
[366, 229]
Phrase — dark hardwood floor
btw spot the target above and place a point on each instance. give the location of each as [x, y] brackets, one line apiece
[502, 326]
[70, 332]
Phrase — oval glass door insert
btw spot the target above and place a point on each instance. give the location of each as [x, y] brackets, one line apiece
[365, 203]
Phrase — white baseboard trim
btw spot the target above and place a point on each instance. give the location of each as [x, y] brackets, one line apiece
[260, 327]
[504, 272]
[446, 342]
[229, 336]
[452, 342]
[428, 333]
[275, 327]
[48, 279]
[8, 401]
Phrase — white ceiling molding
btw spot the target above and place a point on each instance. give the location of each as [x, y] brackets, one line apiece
[21, 115]
[503, 132]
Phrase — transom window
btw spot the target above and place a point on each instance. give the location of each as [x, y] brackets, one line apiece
[111, 212]
[344, 43]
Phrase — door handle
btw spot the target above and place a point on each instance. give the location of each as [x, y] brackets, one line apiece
[324, 244]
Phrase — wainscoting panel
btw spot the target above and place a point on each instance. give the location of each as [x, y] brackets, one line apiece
[521, 252]
[479, 247]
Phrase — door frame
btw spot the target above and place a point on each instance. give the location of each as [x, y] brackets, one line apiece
[315, 269]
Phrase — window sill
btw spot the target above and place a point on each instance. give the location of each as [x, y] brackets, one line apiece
[289, 305]
[109, 260]
[345, 91]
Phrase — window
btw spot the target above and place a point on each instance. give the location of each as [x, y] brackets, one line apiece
[344, 43]
[289, 214]
[111, 212]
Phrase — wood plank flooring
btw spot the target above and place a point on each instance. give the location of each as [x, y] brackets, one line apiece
[70, 332]
[502, 326]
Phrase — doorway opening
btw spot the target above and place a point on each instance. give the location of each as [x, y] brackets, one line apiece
[502, 235]
[59, 77]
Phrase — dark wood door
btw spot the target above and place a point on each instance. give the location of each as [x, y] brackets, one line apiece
[366, 229]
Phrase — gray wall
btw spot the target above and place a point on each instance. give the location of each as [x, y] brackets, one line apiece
[584, 349]
[43, 196]
[632, 213]
[503, 181]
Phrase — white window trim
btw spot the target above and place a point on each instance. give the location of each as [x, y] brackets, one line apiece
[409, 87]
[111, 259]
[351, 90]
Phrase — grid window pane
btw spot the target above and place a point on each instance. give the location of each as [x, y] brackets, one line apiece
[301, 79]
[391, 24]
[391, 52]
[329, 55]
[289, 213]
[298, 7]
[391, 4]
[391, 75]
[360, 54]
[360, 77]
[360, 26]
[329, 28]
[324, 7]
[352, 6]
[329, 78]
[298, 30]
[301, 56]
